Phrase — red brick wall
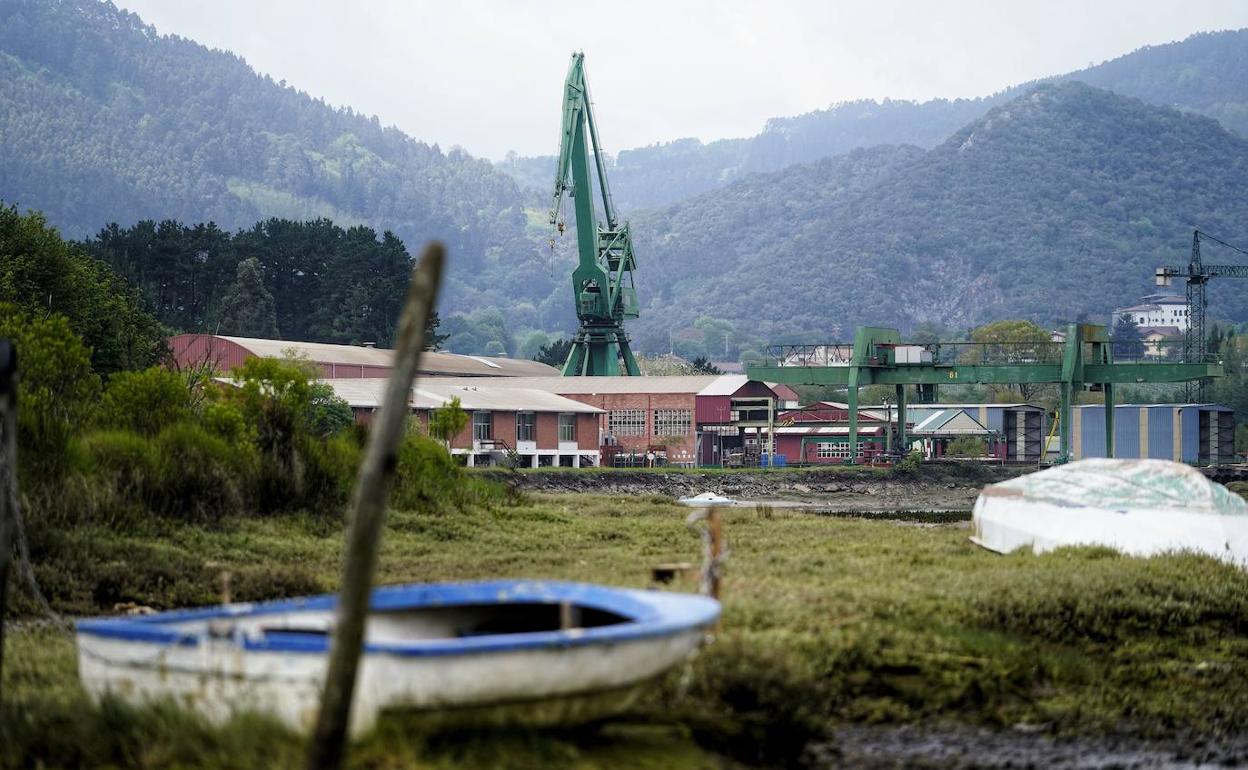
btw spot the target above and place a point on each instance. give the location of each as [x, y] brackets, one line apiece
[587, 431]
[547, 430]
[505, 428]
[647, 402]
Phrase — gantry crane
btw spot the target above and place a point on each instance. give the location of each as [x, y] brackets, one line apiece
[1197, 273]
[602, 284]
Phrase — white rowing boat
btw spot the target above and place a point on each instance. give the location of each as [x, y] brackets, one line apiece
[1139, 507]
[705, 499]
[537, 652]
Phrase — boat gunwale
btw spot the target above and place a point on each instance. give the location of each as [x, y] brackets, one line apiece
[649, 614]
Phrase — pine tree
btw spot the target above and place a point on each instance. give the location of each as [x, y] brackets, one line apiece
[248, 309]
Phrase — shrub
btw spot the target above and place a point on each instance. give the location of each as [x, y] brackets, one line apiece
[428, 478]
[327, 414]
[967, 446]
[56, 389]
[200, 477]
[332, 465]
[145, 402]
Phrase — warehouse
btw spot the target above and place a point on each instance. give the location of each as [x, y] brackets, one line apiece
[520, 426]
[681, 420]
[223, 354]
[1201, 434]
[935, 428]
[1020, 428]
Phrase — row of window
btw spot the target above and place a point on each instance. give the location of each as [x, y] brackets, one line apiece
[667, 422]
[828, 449]
[526, 426]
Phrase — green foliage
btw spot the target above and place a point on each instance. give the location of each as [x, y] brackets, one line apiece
[144, 402]
[327, 413]
[43, 275]
[966, 446]
[554, 353]
[447, 421]
[428, 479]
[702, 366]
[247, 310]
[57, 388]
[200, 477]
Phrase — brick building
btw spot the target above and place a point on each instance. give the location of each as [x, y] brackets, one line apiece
[532, 428]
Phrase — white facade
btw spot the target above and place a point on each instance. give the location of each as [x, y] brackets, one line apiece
[1158, 310]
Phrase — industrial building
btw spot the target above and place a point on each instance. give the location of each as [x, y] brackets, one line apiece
[1200, 434]
[341, 361]
[522, 426]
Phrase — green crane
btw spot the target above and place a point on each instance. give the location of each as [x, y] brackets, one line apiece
[602, 284]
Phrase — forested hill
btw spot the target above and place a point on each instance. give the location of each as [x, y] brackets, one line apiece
[103, 120]
[1059, 202]
[1207, 74]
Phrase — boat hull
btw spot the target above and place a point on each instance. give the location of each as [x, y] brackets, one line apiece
[555, 677]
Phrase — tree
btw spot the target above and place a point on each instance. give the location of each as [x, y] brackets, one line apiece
[555, 353]
[447, 421]
[57, 388]
[248, 309]
[1128, 342]
[702, 366]
[1013, 342]
[433, 340]
[42, 274]
[327, 412]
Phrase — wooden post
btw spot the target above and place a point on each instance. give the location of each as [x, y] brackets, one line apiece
[8, 475]
[715, 528]
[368, 509]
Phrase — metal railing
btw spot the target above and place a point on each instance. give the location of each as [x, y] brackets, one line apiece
[976, 353]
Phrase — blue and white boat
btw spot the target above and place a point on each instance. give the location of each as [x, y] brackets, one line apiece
[535, 652]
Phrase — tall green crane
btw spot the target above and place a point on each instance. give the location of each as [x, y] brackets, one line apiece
[602, 284]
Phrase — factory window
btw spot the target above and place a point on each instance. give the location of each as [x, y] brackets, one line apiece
[626, 422]
[525, 426]
[672, 422]
[482, 426]
[825, 450]
[567, 427]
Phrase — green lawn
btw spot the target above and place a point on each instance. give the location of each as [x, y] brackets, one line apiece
[826, 620]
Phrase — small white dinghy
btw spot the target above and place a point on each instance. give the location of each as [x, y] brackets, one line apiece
[706, 498]
[1139, 507]
[536, 652]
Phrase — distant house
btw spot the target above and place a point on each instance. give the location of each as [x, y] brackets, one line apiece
[1157, 310]
[1161, 341]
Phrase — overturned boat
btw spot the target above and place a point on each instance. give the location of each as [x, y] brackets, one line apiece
[1139, 507]
[532, 652]
[706, 499]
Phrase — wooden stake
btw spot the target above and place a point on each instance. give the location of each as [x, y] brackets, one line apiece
[8, 474]
[715, 527]
[372, 491]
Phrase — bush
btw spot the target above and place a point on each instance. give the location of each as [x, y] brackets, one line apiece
[428, 478]
[967, 446]
[145, 402]
[200, 477]
[327, 414]
[56, 389]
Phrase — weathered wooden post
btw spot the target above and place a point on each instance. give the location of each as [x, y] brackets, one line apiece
[8, 474]
[368, 509]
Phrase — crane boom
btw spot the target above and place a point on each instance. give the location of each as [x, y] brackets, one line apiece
[602, 283]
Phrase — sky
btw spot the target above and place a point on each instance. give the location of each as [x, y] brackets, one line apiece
[488, 75]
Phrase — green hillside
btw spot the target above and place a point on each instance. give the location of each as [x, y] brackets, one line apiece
[1207, 74]
[1058, 203]
[103, 120]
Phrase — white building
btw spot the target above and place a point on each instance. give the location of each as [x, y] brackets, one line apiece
[1158, 311]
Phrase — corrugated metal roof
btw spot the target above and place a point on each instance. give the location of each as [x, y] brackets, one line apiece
[431, 362]
[824, 430]
[959, 406]
[694, 384]
[949, 421]
[368, 392]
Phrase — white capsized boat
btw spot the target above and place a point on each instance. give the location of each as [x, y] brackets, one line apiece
[706, 498]
[535, 652]
[1139, 507]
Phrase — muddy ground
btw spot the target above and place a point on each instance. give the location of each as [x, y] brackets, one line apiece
[951, 487]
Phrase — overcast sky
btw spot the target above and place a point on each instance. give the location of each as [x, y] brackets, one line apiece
[488, 76]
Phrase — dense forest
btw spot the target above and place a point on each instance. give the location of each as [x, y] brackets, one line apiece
[1058, 203]
[103, 120]
[1205, 74]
